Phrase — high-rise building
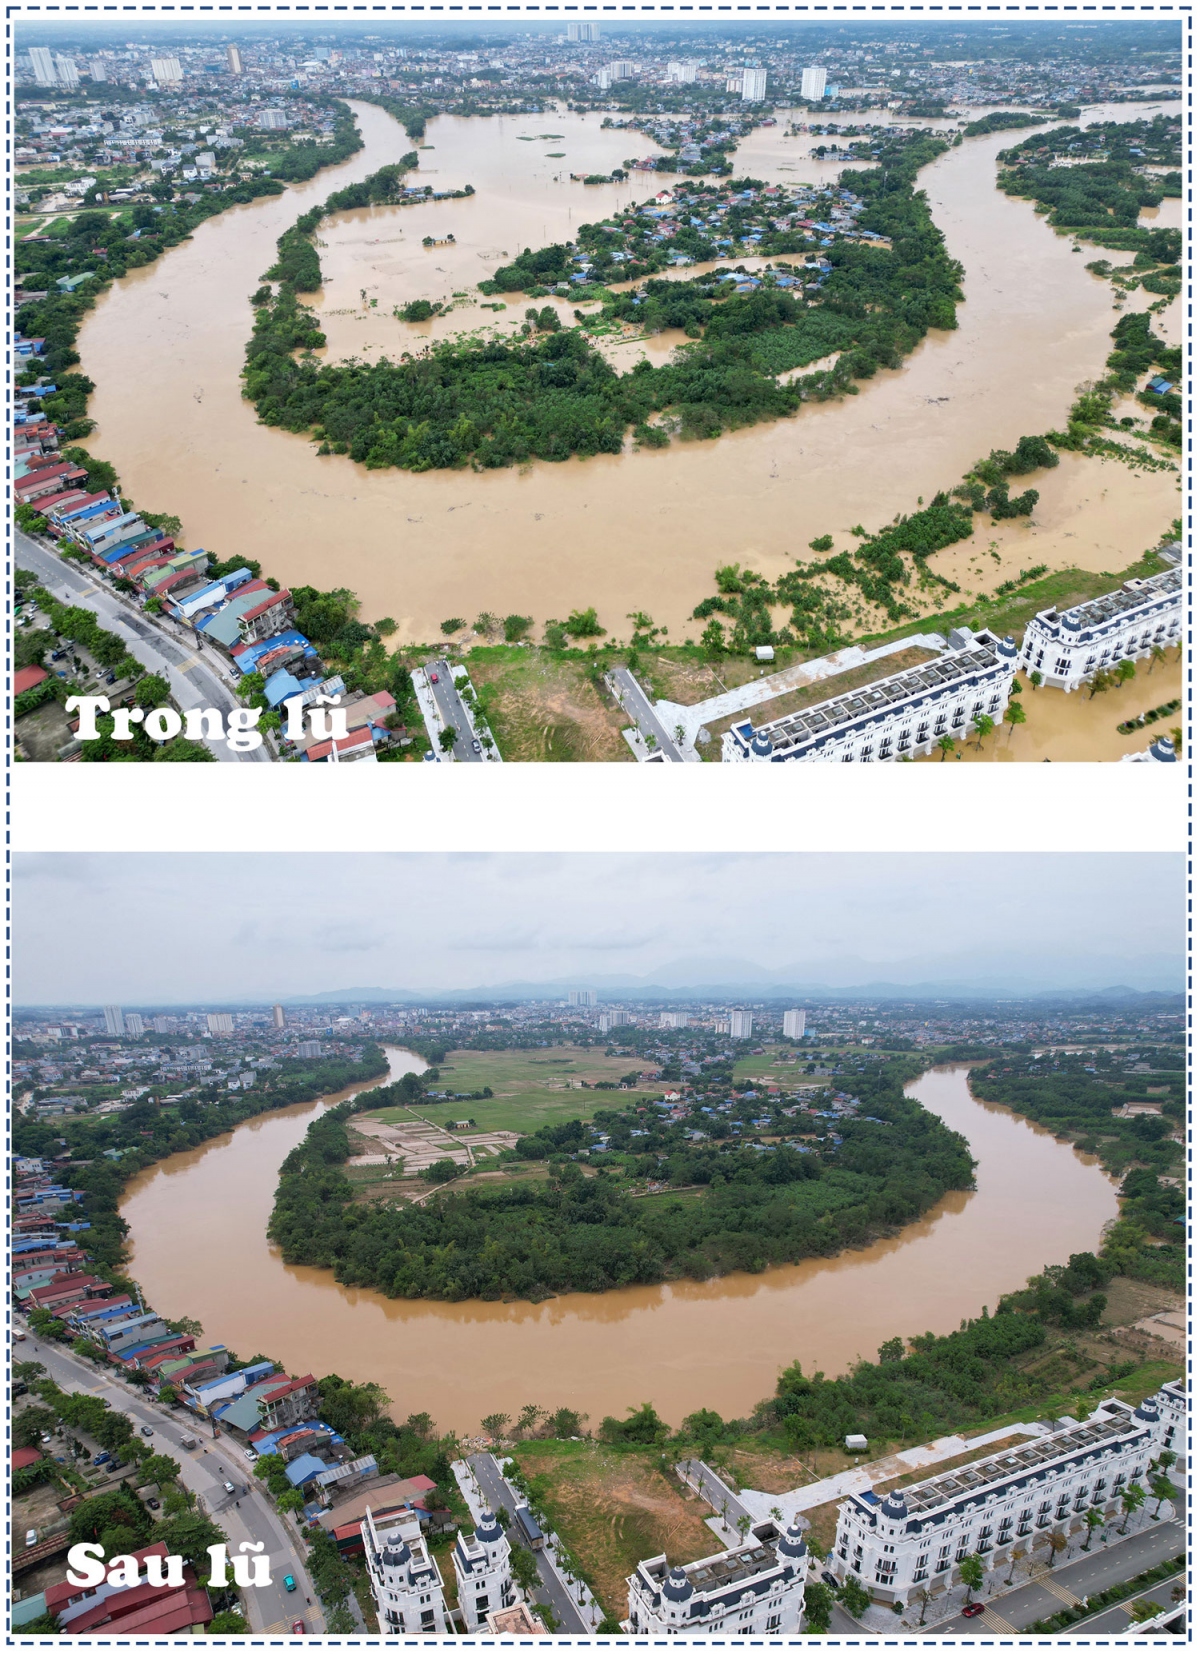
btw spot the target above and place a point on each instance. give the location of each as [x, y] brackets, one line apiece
[793, 1025]
[220, 1022]
[602, 79]
[623, 69]
[587, 34]
[167, 71]
[134, 1025]
[68, 74]
[608, 1020]
[309, 1048]
[234, 58]
[98, 70]
[673, 1019]
[42, 60]
[741, 1024]
[273, 120]
[405, 1582]
[685, 73]
[581, 996]
[163, 1025]
[812, 84]
[114, 1020]
[754, 85]
[278, 1017]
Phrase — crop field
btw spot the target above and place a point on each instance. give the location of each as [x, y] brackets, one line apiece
[532, 1088]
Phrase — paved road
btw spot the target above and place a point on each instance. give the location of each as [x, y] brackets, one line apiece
[453, 712]
[497, 1492]
[1118, 1620]
[711, 1487]
[246, 1514]
[1104, 1565]
[635, 702]
[194, 683]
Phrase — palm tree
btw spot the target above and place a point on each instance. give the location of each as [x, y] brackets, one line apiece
[743, 1525]
[1157, 655]
[1098, 683]
[1162, 1488]
[1013, 716]
[1092, 1521]
[945, 745]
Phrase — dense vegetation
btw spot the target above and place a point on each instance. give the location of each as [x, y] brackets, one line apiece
[1002, 120]
[583, 1232]
[1099, 199]
[1075, 1098]
[150, 1130]
[493, 403]
[111, 244]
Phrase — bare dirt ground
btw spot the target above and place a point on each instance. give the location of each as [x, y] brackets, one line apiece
[549, 711]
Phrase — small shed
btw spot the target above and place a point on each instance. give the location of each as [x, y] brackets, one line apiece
[856, 1444]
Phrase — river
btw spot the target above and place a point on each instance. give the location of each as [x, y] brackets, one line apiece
[622, 532]
[199, 1248]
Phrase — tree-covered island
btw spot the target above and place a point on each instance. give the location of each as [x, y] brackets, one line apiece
[875, 278]
[806, 1184]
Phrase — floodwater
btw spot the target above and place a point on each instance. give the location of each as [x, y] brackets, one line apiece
[621, 532]
[1081, 727]
[198, 1223]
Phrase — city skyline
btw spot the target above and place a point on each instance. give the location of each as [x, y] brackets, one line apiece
[298, 925]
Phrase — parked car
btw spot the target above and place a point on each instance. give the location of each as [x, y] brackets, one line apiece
[46, 1436]
[289, 1584]
[829, 1580]
[102, 1458]
[299, 1629]
[30, 1538]
[972, 1608]
[146, 1430]
[153, 1503]
[250, 1454]
[476, 746]
[433, 677]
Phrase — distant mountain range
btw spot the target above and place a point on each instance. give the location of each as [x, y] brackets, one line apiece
[968, 976]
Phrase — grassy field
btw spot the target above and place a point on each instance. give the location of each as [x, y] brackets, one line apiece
[613, 1508]
[546, 707]
[531, 1087]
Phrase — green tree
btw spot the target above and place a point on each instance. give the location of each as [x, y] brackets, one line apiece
[818, 1607]
[1133, 1498]
[29, 1426]
[970, 1571]
[1157, 655]
[854, 1597]
[743, 1525]
[528, 1418]
[159, 1468]
[945, 746]
[893, 1350]
[1099, 683]
[493, 1425]
[516, 627]
[455, 624]
[228, 1622]
[1014, 715]
[524, 1569]
[1124, 670]
[448, 738]
[1163, 1488]
[1092, 1520]
[983, 727]
[117, 1520]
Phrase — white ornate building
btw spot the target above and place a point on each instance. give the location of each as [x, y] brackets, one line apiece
[913, 1538]
[1067, 647]
[483, 1572]
[894, 717]
[405, 1582]
[752, 1589]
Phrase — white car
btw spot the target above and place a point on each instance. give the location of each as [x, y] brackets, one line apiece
[229, 1487]
[30, 1538]
[250, 1454]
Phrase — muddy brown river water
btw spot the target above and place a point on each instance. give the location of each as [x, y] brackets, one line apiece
[622, 532]
[199, 1248]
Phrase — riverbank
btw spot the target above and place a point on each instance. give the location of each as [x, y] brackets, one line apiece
[752, 496]
[198, 1245]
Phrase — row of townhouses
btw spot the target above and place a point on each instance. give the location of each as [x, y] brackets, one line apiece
[908, 713]
[911, 1539]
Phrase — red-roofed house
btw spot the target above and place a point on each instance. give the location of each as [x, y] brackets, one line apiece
[150, 1610]
[28, 678]
[23, 1457]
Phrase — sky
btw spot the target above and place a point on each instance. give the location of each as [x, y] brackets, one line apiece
[164, 928]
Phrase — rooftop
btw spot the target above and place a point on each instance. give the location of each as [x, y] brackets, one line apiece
[1130, 596]
[879, 697]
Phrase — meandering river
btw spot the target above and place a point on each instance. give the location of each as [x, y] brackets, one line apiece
[199, 1248]
[623, 532]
